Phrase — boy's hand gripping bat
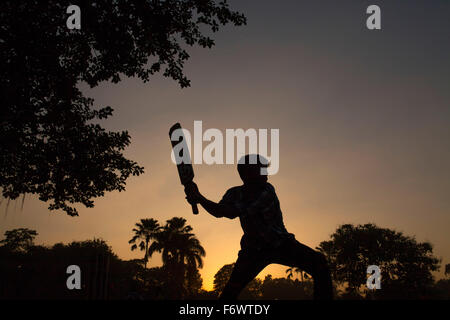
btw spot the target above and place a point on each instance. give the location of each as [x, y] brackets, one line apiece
[185, 170]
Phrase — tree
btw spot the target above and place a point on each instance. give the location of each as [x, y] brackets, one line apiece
[145, 230]
[19, 239]
[51, 143]
[222, 276]
[40, 272]
[193, 282]
[182, 256]
[286, 289]
[405, 264]
[178, 244]
[251, 291]
[442, 289]
[447, 269]
[290, 273]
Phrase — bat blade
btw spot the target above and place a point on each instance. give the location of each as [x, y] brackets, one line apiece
[184, 164]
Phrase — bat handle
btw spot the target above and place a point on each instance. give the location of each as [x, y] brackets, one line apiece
[194, 206]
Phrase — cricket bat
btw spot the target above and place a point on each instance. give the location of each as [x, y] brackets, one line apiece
[185, 170]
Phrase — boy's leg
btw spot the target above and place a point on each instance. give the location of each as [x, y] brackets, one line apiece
[295, 254]
[246, 268]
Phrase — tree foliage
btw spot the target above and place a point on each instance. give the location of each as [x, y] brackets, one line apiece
[145, 230]
[268, 289]
[222, 276]
[40, 272]
[20, 239]
[51, 143]
[291, 270]
[36, 271]
[182, 256]
[251, 291]
[286, 289]
[406, 265]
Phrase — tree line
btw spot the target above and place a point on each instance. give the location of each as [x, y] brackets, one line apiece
[30, 271]
[53, 144]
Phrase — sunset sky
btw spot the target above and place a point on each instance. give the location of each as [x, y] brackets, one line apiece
[363, 119]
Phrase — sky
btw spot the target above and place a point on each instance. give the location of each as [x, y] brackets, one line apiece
[363, 117]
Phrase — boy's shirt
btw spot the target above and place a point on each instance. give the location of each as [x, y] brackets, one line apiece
[260, 216]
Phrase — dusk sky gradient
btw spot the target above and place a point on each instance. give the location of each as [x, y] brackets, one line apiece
[363, 119]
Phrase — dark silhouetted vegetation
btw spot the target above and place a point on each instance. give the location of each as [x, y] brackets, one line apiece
[406, 265]
[51, 143]
[269, 288]
[182, 256]
[19, 239]
[145, 231]
[251, 291]
[29, 271]
[287, 289]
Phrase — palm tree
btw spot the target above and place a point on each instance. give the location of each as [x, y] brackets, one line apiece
[181, 251]
[146, 230]
[290, 271]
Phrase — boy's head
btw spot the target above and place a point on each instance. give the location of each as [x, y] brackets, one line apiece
[249, 168]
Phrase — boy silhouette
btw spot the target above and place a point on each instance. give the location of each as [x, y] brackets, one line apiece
[265, 238]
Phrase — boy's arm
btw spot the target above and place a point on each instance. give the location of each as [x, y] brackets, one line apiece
[217, 210]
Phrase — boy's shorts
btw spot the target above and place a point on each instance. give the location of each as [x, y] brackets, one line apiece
[290, 253]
